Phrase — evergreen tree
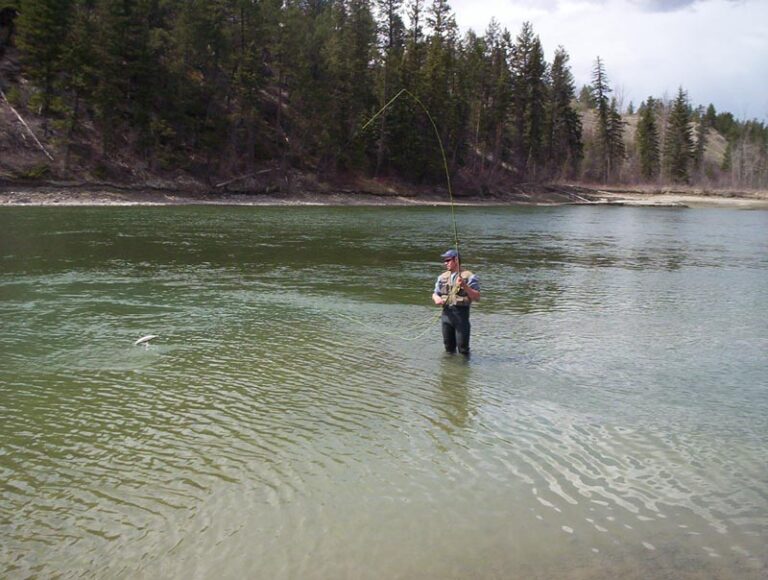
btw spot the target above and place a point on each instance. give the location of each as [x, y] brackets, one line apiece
[408, 128]
[334, 82]
[293, 68]
[392, 39]
[710, 116]
[440, 60]
[647, 140]
[9, 11]
[501, 95]
[600, 92]
[727, 162]
[608, 149]
[700, 142]
[42, 28]
[496, 98]
[78, 63]
[249, 41]
[528, 98]
[472, 87]
[678, 149]
[415, 45]
[360, 34]
[727, 126]
[123, 95]
[586, 99]
[440, 91]
[616, 148]
[564, 142]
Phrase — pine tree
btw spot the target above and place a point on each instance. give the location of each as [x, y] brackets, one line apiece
[314, 69]
[78, 62]
[415, 46]
[600, 92]
[292, 65]
[501, 97]
[249, 42]
[700, 142]
[428, 73]
[408, 128]
[360, 40]
[124, 95]
[440, 60]
[608, 146]
[440, 92]
[586, 99]
[392, 35]
[564, 141]
[616, 148]
[472, 88]
[726, 164]
[647, 140]
[334, 81]
[711, 115]
[678, 150]
[491, 131]
[42, 29]
[528, 97]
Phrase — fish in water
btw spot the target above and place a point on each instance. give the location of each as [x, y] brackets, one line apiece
[145, 340]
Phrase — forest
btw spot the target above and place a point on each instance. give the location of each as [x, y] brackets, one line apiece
[229, 89]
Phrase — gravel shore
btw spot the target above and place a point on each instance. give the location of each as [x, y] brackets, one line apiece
[17, 195]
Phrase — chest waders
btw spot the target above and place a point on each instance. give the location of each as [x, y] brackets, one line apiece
[455, 316]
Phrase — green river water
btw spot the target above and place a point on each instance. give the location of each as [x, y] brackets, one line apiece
[297, 418]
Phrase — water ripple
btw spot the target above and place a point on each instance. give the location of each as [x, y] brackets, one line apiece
[612, 419]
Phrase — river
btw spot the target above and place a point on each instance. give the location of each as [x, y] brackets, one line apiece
[296, 417]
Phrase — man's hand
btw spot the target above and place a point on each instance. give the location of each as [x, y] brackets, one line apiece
[437, 299]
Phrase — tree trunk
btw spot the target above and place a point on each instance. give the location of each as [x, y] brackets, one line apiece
[71, 130]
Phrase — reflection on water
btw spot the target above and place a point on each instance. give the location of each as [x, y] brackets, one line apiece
[455, 373]
[612, 421]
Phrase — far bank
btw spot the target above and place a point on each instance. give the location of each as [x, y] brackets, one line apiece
[100, 194]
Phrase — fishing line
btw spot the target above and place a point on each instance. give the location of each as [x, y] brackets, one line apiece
[442, 151]
[428, 324]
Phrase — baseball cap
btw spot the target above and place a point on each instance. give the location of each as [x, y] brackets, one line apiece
[449, 254]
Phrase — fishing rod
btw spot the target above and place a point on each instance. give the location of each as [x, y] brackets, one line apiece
[442, 154]
[401, 93]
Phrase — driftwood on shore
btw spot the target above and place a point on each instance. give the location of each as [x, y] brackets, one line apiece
[241, 178]
[26, 126]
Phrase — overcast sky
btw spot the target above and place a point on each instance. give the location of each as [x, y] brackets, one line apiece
[717, 50]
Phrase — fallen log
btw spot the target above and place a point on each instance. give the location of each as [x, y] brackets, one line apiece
[242, 177]
[26, 126]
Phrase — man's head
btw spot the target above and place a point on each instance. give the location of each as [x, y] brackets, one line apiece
[451, 259]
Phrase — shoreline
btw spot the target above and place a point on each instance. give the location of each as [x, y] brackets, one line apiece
[16, 195]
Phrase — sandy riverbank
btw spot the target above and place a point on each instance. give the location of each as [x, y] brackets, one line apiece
[753, 200]
[18, 195]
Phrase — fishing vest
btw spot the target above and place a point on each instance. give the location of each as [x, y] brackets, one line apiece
[447, 292]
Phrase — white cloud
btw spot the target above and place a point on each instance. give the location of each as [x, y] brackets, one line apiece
[717, 50]
[663, 5]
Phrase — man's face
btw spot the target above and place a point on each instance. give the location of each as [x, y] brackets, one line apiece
[451, 264]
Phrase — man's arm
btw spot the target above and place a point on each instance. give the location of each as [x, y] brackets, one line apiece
[472, 288]
[436, 298]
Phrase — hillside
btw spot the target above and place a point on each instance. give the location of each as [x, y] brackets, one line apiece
[33, 155]
[38, 150]
[714, 150]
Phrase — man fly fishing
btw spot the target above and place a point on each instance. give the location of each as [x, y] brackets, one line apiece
[455, 291]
